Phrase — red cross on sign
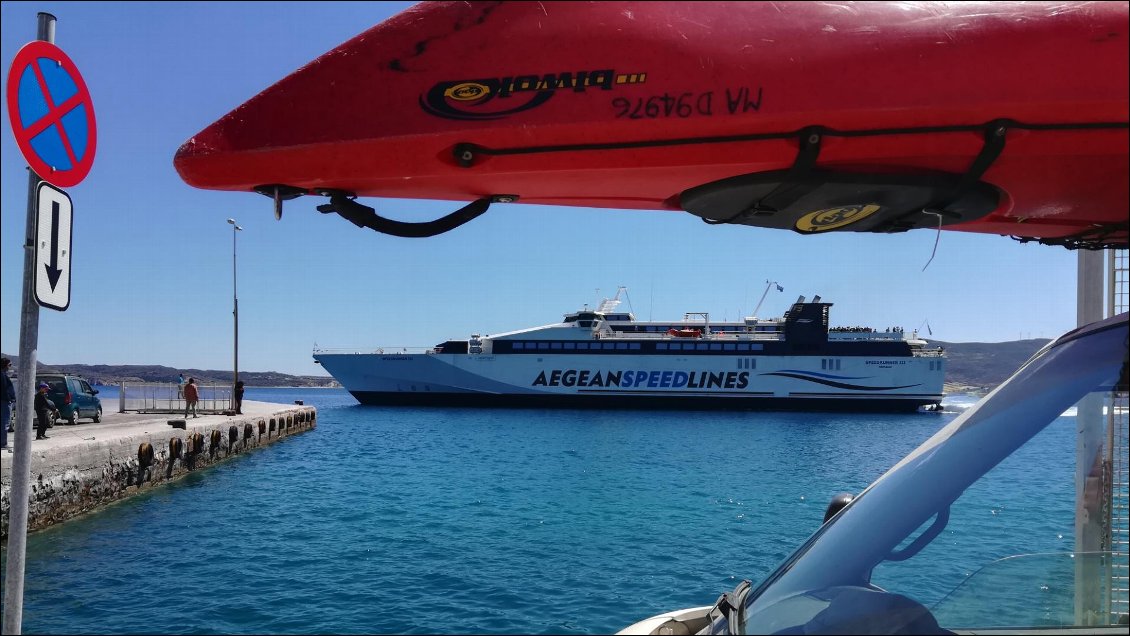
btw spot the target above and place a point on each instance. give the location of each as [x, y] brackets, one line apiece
[51, 114]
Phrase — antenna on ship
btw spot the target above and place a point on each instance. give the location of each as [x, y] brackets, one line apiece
[768, 285]
[925, 323]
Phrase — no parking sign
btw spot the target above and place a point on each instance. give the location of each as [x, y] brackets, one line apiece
[51, 113]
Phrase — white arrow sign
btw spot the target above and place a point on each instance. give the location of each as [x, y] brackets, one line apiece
[53, 220]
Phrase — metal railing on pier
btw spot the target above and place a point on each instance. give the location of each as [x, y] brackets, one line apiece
[168, 397]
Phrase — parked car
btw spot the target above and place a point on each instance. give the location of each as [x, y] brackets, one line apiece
[73, 396]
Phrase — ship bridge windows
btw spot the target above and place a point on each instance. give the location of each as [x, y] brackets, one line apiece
[584, 319]
[830, 364]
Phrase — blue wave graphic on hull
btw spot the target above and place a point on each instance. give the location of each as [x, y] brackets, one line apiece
[838, 385]
[822, 375]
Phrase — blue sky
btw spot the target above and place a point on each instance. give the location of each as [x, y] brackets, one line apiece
[152, 265]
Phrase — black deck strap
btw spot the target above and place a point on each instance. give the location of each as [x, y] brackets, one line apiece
[363, 216]
[790, 189]
[466, 154]
[995, 132]
[994, 136]
[787, 193]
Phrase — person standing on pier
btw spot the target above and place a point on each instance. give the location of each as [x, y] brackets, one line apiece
[44, 408]
[238, 398]
[180, 386]
[191, 397]
[9, 397]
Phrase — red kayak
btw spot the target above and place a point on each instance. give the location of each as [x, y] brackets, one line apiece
[1005, 117]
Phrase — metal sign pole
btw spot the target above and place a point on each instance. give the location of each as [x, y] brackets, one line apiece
[21, 463]
[1089, 440]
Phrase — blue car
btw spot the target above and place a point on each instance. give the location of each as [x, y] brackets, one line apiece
[73, 396]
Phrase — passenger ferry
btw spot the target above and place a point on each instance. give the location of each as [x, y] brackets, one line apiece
[607, 359]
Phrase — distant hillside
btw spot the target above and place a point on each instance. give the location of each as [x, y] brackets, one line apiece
[984, 365]
[970, 366]
[114, 374]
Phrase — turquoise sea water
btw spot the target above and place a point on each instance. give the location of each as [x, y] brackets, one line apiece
[409, 520]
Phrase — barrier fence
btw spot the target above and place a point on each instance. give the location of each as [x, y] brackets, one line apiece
[167, 397]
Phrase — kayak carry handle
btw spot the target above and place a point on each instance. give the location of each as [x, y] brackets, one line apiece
[345, 204]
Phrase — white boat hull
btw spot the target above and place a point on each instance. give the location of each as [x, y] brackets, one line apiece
[635, 381]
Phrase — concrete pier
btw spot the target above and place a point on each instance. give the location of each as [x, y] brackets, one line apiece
[83, 467]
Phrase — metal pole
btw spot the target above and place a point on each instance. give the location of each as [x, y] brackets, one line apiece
[1089, 440]
[235, 229]
[21, 463]
[235, 317]
[768, 286]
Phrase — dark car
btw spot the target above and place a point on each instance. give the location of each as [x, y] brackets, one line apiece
[73, 396]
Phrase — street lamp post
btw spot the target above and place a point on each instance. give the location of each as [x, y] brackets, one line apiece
[235, 314]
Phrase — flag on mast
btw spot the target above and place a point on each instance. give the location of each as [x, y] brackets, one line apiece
[779, 288]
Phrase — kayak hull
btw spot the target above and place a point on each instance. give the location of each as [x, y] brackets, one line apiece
[631, 105]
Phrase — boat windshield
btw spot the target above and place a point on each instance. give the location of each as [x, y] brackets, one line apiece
[932, 545]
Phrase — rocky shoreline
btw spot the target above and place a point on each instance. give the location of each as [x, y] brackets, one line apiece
[111, 375]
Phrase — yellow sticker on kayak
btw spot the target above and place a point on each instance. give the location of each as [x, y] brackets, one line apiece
[835, 218]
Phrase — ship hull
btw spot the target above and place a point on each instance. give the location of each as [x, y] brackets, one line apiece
[863, 404]
[861, 383]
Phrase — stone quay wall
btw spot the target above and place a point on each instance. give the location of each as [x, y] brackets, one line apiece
[85, 467]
